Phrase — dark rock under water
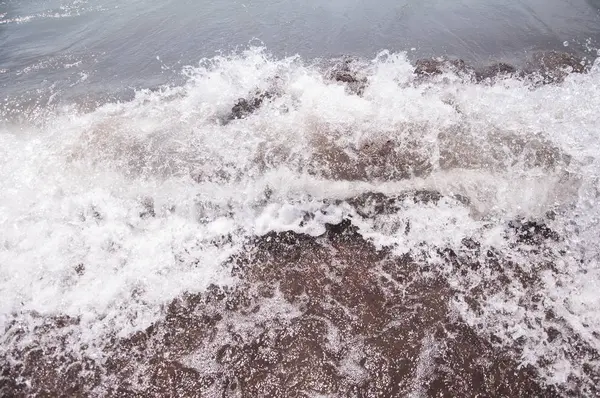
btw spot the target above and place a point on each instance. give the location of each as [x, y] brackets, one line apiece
[542, 68]
[312, 316]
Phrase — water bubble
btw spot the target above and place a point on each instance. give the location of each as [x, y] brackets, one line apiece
[566, 43]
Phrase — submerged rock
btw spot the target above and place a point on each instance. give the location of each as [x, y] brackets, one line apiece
[491, 72]
[462, 146]
[548, 67]
[437, 66]
[245, 106]
[376, 160]
[326, 315]
[376, 203]
[554, 66]
[347, 72]
[532, 232]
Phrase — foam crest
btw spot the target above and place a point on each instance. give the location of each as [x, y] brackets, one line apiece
[109, 215]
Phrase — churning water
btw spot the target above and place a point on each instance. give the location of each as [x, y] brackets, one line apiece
[119, 200]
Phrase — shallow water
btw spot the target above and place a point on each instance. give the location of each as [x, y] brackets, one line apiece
[106, 46]
[113, 210]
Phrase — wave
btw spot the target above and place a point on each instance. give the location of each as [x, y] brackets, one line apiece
[72, 9]
[483, 181]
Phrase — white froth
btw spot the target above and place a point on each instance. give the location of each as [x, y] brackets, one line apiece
[78, 238]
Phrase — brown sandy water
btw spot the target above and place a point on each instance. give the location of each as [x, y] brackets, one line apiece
[311, 316]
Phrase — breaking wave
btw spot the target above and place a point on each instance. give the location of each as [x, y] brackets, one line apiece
[476, 195]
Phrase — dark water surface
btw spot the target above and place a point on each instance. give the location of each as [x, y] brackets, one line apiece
[108, 45]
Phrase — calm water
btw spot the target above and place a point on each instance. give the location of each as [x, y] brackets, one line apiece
[105, 45]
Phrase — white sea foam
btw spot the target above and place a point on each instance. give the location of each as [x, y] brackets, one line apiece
[109, 215]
